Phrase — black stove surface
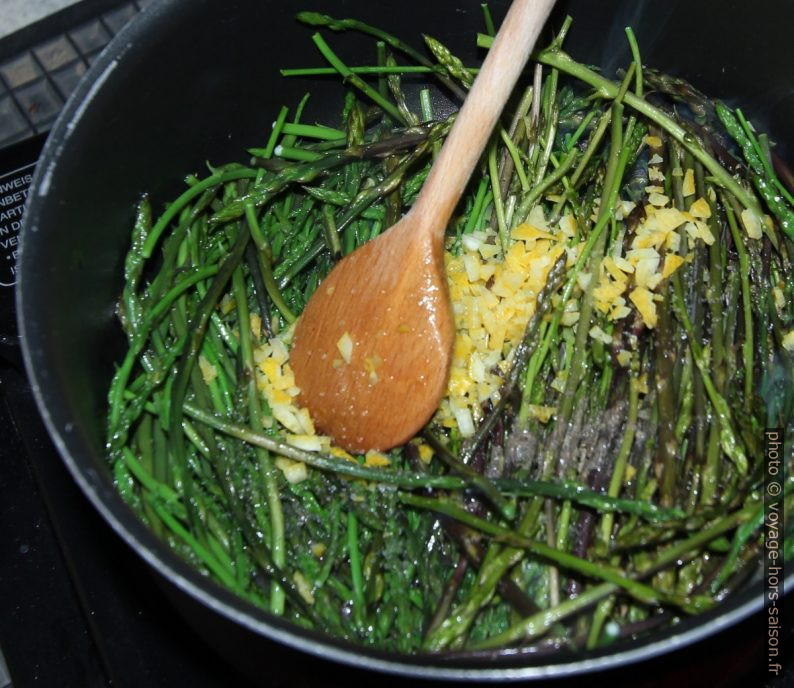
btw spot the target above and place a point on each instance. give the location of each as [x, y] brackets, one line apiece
[79, 608]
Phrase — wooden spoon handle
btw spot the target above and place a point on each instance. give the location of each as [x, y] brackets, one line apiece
[475, 121]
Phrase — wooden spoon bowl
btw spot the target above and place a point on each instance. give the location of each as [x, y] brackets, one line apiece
[399, 330]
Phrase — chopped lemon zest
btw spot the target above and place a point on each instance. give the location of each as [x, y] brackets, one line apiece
[375, 459]
[643, 300]
[543, 414]
[208, 371]
[671, 263]
[345, 347]
[700, 209]
[752, 224]
[688, 186]
[294, 471]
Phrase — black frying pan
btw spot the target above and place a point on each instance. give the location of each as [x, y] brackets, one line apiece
[196, 80]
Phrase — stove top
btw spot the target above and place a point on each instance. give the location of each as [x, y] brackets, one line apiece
[77, 606]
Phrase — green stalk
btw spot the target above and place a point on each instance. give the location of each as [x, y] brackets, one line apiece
[263, 257]
[317, 19]
[355, 80]
[181, 379]
[355, 569]
[730, 443]
[516, 157]
[313, 131]
[483, 484]
[296, 154]
[635, 54]
[181, 202]
[747, 307]
[406, 480]
[550, 180]
[612, 183]
[639, 591]
[278, 125]
[556, 58]
[538, 624]
[493, 173]
[477, 207]
[621, 461]
[365, 70]
[603, 610]
[488, 19]
[223, 574]
[277, 543]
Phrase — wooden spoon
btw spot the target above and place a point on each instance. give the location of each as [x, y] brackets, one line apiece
[372, 350]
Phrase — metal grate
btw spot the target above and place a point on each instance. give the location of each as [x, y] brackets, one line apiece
[35, 84]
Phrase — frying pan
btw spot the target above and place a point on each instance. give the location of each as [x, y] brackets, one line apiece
[197, 80]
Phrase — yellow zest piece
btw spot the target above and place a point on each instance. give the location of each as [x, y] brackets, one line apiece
[371, 365]
[303, 587]
[340, 453]
[271, 368]
[227, 304]
[345, 347]
[752, 224]
[704, 232]
[609, 291]
[312, 443]
[374, 459]
[688, 187]
[256, 324]
[294, 471]
[277, 396]
[569, 318]
[425, 452]
[618, 272]
[628, 476]
[319, 549]
[673, 242]
[528, 232]
[208, 372]
[542, 414]
[567, 225]
[599, 335]
[653, 141]
[624, 358]
[780, 299]
[619, 311]
[305, 420]
[788, 341]
[643, 300]
[583, 281]
[646, 272]
[668, 219]
[700, 209]
[671, 263]
[623, 264]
